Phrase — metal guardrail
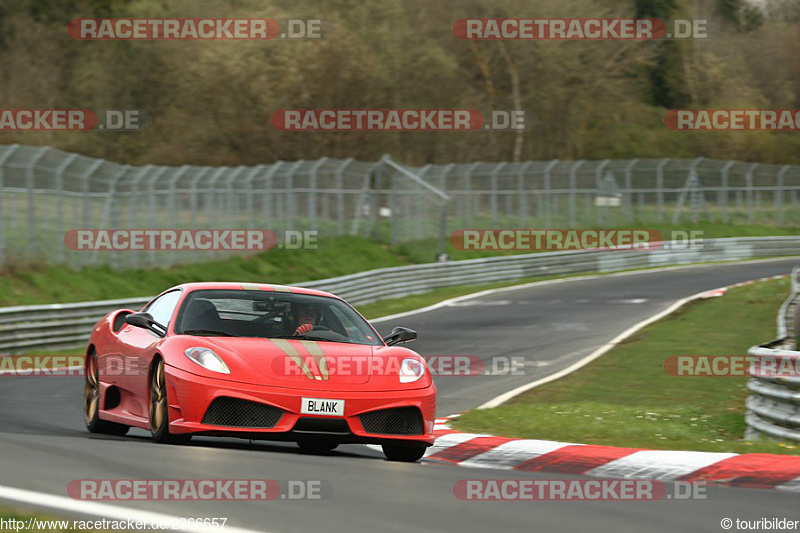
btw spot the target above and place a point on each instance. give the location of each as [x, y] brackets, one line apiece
[773, 407]
[68, 325]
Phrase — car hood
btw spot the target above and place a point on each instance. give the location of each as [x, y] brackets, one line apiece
[288, 363]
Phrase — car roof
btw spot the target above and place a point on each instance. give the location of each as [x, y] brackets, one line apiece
[247, 286]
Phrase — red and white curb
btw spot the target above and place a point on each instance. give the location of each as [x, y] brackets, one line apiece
[722, 290]
[763, 471]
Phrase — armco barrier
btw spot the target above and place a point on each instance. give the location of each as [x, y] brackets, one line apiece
[773, 407]
[68, 325]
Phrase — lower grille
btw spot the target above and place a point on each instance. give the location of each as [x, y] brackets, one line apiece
[231, 412]
[396, 421]
[322, 425]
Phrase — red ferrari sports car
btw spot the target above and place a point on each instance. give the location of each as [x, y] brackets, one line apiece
[259, 362]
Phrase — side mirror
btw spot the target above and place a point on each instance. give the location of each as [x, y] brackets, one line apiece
[145, 321]
[399, 335]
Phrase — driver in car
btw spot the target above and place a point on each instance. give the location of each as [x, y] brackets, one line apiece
[306, 316]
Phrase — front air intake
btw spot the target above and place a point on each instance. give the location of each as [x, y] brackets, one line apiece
[235, 413]
[395, 421]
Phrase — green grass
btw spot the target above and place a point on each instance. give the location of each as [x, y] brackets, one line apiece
[625, 398]
[336, 257]
[29, 285]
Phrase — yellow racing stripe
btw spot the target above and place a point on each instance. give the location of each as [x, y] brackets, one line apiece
[287, 348]
[315, 350]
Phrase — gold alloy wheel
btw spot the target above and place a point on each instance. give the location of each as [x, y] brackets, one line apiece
[91, 394]
[158, 398]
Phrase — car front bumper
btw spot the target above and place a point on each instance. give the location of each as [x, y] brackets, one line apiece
[191, 396]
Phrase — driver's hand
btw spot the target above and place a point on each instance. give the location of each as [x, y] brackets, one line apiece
[303, 329]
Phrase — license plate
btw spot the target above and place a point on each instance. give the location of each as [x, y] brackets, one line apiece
[321, 406]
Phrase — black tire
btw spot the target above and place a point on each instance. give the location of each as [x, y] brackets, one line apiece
[92, 399]
[404, 453]
[317, 447]
[159, 409]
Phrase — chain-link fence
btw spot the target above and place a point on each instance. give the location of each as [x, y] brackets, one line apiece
[46, 192]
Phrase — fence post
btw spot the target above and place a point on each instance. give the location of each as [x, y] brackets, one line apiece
[290, 198]
[363, 198]
[312, 197]
[229, 201]
[660, 188]
[418, 203]
[340, 196]
[779, 192]
[193, 195]
[31, 245]
[694, 202]
[172, 192]
[9, 152]
[493, 198]
[267, 204]
[250, 193]
[87, 200]
[723, 194]
[547, 211]
[151, 191]
[749, 183]
[394, 218]
[172, 208]
[110, 216]
[375, 201]
[132, 211]
[597, 180]
[573, 180]
[211, 201]
[468, 188]
[522, 194]
[62, 168]
[628, 189]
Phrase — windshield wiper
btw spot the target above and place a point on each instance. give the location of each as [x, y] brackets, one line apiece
[207, 333]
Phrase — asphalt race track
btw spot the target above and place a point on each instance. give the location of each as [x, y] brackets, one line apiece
[44, 446]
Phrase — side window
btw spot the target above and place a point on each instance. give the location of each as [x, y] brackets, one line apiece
[163, 307]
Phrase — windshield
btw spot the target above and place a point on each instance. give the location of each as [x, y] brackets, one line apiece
[272, 315]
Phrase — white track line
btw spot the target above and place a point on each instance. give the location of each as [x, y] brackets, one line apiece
[445, 303]
[502, 398]
[498, 400]
[111, 512]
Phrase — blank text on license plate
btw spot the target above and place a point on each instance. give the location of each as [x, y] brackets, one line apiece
[322, 406]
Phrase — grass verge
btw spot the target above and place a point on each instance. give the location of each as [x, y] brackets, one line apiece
[30, 285]
[625, 398]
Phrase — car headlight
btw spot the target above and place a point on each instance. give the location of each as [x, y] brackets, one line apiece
[207, 359]
[411, 370]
